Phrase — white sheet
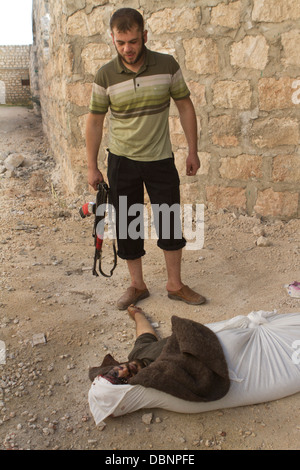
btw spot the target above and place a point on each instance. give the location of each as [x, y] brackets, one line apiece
[262, 351]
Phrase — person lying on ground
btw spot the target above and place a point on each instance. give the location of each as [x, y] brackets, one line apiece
[147, 348]
[189, 365]
[250, 344]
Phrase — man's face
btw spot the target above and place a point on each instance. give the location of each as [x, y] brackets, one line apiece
[130, 45]
[126, 370]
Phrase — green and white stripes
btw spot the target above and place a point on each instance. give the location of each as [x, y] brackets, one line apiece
[134, 99]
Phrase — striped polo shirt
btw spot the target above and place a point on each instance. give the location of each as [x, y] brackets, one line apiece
[139, 105]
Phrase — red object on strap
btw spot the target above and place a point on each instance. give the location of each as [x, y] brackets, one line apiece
[99, 242]
[85, 209]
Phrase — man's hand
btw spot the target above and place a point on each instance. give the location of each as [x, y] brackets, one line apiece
[94, 177]
[189, 124]
[192, 164]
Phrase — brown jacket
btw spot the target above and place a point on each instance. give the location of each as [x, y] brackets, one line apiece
[191, 366]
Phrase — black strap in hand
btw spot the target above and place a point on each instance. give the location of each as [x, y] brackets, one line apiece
[102, 198]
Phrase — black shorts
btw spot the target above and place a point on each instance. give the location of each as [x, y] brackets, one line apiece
[127, 178]
[147, 348]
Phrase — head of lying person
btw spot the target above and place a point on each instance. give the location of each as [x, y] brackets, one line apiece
[116, 372]
[120, 374]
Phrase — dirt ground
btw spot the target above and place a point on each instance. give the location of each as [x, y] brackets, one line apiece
[47, 289]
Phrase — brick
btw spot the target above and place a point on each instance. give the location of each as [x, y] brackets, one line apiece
[250, 53]
[219, 197]
[174, 19]
[79, 93]
[290, 43]
[242, 167]
[276, 204]
[94, 56]
[275, 93]
[206, 60]
[225, 131]
[226, 15]
[71, 6]
[274, 132]
[232, 94]
[286, 168]
[81, 24]
[275, 11]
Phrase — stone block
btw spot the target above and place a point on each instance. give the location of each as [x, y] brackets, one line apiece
[242, 167]
[251, 53]
[71, 6]
[286, 168]
[173, 20]
[206, 61]
[77, 24]
[81, 24]
[226, 15]
[220, 197]
[94, 56]
[272, 203]
[275, 93]
[79, 93]
[290, 43]
[275, 11]
[225, 131]
[274, 132]
[232, 94]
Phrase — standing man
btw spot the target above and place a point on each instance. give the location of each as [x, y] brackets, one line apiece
[137, 86]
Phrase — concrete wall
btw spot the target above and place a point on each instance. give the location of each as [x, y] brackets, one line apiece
[242, 64]
[14, 75]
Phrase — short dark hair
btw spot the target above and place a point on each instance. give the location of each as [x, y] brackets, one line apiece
[125, 19]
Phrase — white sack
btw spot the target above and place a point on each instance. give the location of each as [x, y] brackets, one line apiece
[263, 356]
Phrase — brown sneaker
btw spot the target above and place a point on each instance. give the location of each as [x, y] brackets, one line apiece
[187, 295]
[131, 296]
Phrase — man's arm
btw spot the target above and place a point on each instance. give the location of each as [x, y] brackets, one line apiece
[189, 124]
[94, 130]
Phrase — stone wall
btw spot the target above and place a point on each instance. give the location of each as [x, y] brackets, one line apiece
[242, 64]
[14, 75]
